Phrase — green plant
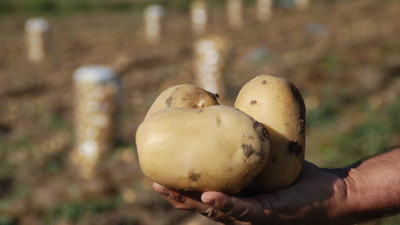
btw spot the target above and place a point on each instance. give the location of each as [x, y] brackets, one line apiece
[38, 6]
[5, 7]
[6, 220]
[327, 112]
[180, 5]
[72, 211]
[55, 163]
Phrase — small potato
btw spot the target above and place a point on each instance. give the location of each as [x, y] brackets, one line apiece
[215, 148]
[277, 104]
[183, 96]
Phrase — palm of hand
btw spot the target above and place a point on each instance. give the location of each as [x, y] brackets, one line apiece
[308, 201]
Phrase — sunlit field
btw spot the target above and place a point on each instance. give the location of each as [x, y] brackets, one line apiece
[344, 57]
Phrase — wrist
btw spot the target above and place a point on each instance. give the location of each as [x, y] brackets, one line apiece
[353, 181]
[372, 188]
[360, 198]
[345, 198]
[353, 202]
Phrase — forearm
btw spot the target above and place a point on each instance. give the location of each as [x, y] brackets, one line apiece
[373, 187]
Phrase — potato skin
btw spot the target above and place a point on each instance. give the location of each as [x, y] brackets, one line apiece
[276, 103]
[183, 96]
[217, 148]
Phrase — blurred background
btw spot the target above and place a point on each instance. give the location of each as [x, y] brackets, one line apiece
[344, 56]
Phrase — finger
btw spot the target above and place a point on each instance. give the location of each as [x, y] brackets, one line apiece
[160, 189]
[184, 201]
[180, 199]
[187, 200]
[219, 216]
[243, 209]
[192, 201]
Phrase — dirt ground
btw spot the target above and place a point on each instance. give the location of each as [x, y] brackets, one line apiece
[344, 56]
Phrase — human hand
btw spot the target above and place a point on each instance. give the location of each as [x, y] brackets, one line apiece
[317, 197]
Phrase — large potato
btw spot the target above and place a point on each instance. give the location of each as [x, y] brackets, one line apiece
[215, 148]
[183, 96]
[277, 104]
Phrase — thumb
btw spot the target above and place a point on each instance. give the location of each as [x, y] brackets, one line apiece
[242, 209]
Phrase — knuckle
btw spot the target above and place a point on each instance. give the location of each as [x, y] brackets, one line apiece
[177, 201]
[210, 213]
[178, 197]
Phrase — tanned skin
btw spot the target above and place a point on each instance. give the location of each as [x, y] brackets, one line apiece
[355, 194]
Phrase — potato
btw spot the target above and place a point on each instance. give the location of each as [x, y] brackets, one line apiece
[183, 96]
[276, 103]
[215, 148]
